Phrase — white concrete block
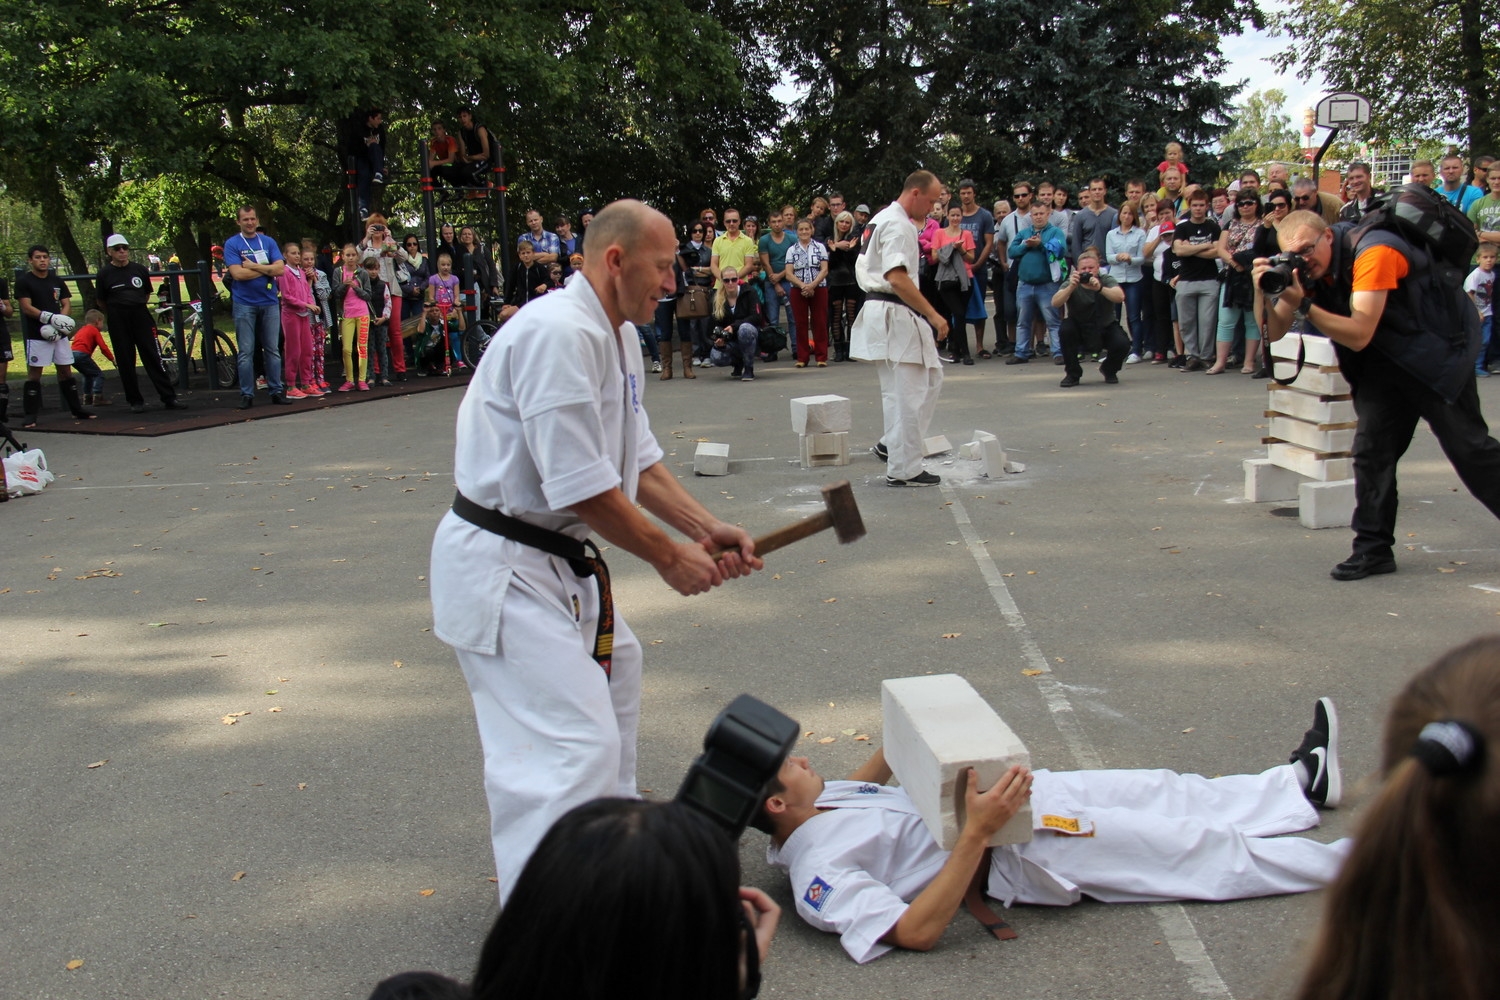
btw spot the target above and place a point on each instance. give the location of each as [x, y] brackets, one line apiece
[711, 459]
[991, 454]
[1326, 505]
[1314, 437]
[970, 451]
[1318, 381]
[1317, 351]
[1310, 463]
[936, 728]
[1306, 406]
[936, 446]
[1015, 466]
[821, 414]
[1265, 480]
[825, 449]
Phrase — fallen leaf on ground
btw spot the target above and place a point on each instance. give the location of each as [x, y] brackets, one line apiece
[1033, 672]
[98, 763]
[76, 963]
[951, 635]
[275, 709]
[849, 732]
[831, 600]
[863, 738]
[301, 786]
[828, 739]
[1446, 569]
[426, 892]
[233, 717]
[397, 664]
[237, 876]
[272, 691]
[1190, 729]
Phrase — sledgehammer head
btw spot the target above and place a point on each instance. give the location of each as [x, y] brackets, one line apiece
[843, 512]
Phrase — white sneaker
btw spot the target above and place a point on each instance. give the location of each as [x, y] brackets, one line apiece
[656, 366]
[1134, 359]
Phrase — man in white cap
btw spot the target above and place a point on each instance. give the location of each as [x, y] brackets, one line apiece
[123, 289]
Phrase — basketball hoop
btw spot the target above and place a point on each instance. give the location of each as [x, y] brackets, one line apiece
[1342, 109]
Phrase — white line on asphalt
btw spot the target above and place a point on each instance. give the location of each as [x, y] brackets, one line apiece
[260, 482]
[1488, 588]
[1177, 929]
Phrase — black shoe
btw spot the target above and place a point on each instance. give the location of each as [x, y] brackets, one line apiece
[137, 407]
[1193, 365]
[1016, 359]
[1177, 361]
[920, 479]
[878, 450]
[1068, 382]
[1262, 372]
[968, 361]
[401, 376]
[279, 400]
[246, 402]
[173, 404]
[1058, 359]
[1319, 754]
[1361, 565]
[1110, 378]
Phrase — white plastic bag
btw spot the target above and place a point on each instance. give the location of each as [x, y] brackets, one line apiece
[26, 472]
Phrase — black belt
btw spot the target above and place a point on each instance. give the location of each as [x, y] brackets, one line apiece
[583, 558]
[886, 297]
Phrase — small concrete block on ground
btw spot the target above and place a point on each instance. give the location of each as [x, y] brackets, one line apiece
[825, 449]
[1265, 480]
[711, 459]
[1326, 505]
[936, 728]
[990, 453]
[936, 446]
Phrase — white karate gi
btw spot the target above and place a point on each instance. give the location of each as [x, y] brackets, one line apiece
[911, 375]
[552, 417]
[1118, 836]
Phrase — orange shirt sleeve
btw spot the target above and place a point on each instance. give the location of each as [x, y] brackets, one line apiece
[1378, 269]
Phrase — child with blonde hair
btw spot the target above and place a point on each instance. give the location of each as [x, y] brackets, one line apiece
[353, 296]
[296, 324]
[85, 341]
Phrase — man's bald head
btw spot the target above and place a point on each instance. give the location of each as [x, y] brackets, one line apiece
[625, 224]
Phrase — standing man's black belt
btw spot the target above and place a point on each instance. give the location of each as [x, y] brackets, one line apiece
[583, 558]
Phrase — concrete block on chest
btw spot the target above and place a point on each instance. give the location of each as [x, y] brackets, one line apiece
[821, 414]
[936, 728]
[711, 459]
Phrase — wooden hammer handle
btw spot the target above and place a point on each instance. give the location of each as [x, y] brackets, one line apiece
[782, 537]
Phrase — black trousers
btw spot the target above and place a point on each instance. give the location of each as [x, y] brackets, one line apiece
[955, 306]
[1113, 340]
[1388, 403]
[131, 332]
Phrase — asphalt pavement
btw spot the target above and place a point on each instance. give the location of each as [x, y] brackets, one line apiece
[239, 764]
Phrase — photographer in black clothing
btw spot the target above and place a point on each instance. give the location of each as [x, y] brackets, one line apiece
[1087, 301]
[1406, 341]
[123, 288]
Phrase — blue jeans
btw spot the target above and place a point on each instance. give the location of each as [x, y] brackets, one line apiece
[1029, 298]
[774, 304]
[93, 377]
[259, 324]
[1486, 352]
[366, 166]
[1135, 316]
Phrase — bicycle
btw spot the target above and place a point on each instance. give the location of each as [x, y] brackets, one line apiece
[226, 372]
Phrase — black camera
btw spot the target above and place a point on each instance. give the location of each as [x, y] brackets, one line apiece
[1283, 266]
[742, 751]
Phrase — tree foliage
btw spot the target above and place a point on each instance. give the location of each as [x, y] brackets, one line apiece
[163, 114]
[1428, 67]
[1262, 131]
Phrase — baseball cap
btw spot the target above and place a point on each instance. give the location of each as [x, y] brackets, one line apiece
[116, 241]
[862, 208]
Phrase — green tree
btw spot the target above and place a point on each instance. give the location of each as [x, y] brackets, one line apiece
[1428, 68]
[1262, 131]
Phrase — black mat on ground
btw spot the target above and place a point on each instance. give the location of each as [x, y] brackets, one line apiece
[209, 408]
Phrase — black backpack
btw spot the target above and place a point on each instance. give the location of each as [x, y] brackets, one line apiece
[1426, 220]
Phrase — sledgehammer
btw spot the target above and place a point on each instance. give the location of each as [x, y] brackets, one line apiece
[842, 515]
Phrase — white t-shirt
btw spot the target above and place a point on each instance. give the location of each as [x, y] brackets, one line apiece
[890, 330]
[1481, 284]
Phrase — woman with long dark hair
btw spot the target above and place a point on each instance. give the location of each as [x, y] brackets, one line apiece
[844, 294]
[634, 898]
[1413, 914]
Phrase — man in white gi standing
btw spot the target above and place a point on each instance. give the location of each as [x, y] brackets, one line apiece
[896, 327]
[552, 444]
